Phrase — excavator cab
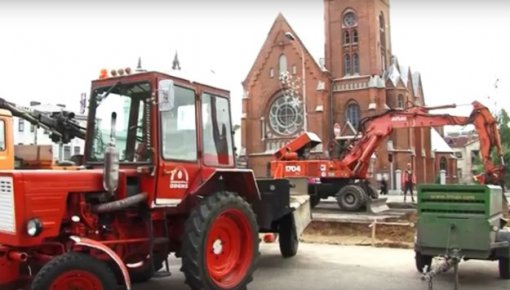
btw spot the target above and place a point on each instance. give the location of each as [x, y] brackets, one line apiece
[6, 140]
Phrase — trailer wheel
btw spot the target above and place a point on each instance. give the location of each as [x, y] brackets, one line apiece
[75, 271]
[351, 197]
[221, 244]
[288, 237]
[504, 268]
[422, 261]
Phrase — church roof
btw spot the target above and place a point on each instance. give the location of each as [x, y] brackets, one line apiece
[275, 33]
[438, 144]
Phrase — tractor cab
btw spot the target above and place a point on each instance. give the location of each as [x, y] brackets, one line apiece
[173, 129]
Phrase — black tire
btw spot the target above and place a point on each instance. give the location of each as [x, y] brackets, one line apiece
[422, 261]
[314, 200]
[232, 214]
[351, 198]
[145, 272]
[61, 268]
[504, 268]
[288, 237]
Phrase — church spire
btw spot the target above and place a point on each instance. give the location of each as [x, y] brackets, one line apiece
[175, 64]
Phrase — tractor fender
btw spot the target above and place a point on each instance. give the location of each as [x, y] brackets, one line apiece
[241, 181]
[85, 242]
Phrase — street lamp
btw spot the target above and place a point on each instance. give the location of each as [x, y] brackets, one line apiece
[291, 37]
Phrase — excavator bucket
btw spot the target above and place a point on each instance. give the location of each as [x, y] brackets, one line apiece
[377, 205]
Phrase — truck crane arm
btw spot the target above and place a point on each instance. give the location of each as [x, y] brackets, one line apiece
[375, 129]
[62, 125]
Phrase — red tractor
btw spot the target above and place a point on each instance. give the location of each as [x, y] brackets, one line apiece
[346, 177]
[158, 177]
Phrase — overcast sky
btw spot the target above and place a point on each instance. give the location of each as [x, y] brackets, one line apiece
[50, 51]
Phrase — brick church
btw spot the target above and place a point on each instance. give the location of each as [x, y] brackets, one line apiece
[287, 92]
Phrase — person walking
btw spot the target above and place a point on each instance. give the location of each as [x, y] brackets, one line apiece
[408, 181]
[384, 186]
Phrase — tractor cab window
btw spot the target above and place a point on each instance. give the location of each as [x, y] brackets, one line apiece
[178, 122]
[2, 135]
[131, 103]
[217, 131]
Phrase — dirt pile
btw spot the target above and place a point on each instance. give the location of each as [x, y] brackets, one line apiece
[345, 233]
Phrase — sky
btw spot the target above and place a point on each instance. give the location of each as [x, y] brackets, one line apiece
[50, 51]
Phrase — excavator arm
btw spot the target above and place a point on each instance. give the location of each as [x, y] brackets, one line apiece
[62, 125]
[375, 129]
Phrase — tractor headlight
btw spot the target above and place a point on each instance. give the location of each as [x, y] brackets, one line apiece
[495, 228]
[34, 227]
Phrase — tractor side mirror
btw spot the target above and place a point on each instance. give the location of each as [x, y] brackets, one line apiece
[166, 95]
[111, 162]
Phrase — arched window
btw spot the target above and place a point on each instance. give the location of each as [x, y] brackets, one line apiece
[382, 40]
[400, 101]
[354, 36]
[347, 37]
[352, 114]
[347, 65]
[355, 63]
[283, 64]
[442, 163]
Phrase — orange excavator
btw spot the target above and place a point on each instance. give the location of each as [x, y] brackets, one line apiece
[346, 177]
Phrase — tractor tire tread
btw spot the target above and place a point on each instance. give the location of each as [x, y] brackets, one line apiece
[80, 261]
[195, 236]
[287, 236]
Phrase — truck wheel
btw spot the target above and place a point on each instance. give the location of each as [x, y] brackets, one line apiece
[75, 271]
[422, 261]
[504, 268]
[221, 244]
[351, 197]
[288, 236]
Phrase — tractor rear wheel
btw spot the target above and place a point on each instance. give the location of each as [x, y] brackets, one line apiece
[75, 271]
[422, 261]
[504, 268]
[351, 197]
[288, 237]
[221, 243]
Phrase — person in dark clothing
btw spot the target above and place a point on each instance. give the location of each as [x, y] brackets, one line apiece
[384, 186]
[408, 181]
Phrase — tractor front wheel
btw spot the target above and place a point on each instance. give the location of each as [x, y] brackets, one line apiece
[221, 244]
[75, 271]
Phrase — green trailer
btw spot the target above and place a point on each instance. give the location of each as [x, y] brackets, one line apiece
[460, 222]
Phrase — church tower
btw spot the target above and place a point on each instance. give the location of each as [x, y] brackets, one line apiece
[358, 38]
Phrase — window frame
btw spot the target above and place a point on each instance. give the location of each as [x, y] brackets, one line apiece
[4, 136]
[232, 147]
[160, 141]
[350, 105]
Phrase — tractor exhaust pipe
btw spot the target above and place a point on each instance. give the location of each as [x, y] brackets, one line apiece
[120, 204]
[18, 256]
